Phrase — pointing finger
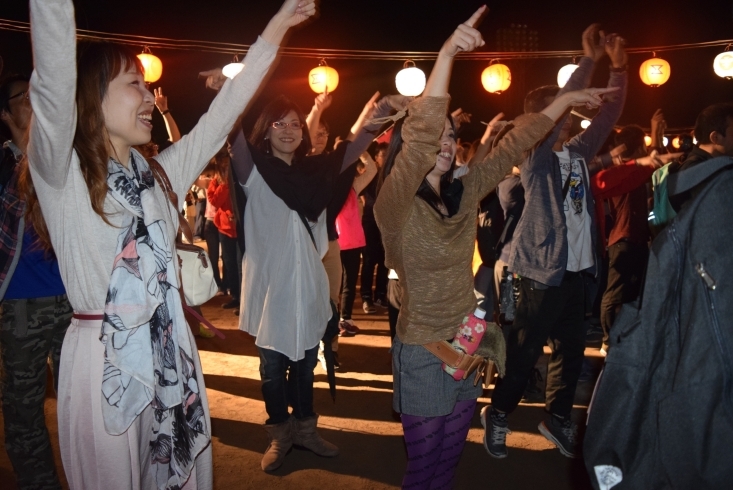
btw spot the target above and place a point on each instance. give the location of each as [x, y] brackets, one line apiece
[476, 17]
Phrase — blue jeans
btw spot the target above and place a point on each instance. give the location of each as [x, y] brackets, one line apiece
[285, 382]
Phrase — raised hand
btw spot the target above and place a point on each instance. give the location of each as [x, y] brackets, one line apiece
[161, 101]
[466, 37]
[460, 117]
[654, 159]
[589, 97]
[495, 125]
[658, 122]
[616, 51]
[399, 102]
[594, 42]
[214, 78]
[294, 12]
[323, 101]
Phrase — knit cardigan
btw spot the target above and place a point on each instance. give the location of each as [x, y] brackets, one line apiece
[430, 253]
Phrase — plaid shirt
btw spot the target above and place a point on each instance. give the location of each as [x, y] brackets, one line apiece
[12, 208]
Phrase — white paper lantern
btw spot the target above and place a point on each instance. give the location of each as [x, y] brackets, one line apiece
[232, 69]
[410, 80]
[723, 64]
[584, 123]
[564, 74]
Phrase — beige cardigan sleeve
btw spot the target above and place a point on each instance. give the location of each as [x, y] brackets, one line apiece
[528, 130]
[421, 143]
[53, 90]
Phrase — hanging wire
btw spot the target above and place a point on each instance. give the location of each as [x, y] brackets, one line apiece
[332, 53]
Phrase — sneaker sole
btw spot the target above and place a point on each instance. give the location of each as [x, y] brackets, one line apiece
[548, 435]
[486, 446]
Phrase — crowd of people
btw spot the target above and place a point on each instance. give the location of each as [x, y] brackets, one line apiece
[89, 276]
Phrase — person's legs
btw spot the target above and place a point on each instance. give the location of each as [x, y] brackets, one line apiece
[28, 333]
[567, 342]
[350, 260]
[424, 442]
[538, 309]
[456, 429]
[626, 266]
[370, 260]
[380, 283]
[300, 384]
[229, 257]
[273, 372]
[211, 235]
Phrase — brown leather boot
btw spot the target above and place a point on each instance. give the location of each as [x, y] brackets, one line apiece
[281, 440]
[306, 435]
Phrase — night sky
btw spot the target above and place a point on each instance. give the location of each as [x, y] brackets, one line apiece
[410, 25]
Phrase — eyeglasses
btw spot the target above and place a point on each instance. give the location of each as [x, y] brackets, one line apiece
[322, 134]
[296, 125]
[25, 94]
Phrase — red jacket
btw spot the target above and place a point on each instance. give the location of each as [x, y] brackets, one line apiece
[218, 195]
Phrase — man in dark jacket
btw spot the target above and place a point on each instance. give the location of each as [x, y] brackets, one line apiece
[553, 244]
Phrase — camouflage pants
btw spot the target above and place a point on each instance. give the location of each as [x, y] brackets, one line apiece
[31, 331]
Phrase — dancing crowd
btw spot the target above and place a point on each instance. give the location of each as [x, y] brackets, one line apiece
[90, 278]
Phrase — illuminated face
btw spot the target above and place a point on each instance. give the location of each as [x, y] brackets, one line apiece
[319, 144]
[447, 149]
[380, 157]
[128, 110]
[286, 140]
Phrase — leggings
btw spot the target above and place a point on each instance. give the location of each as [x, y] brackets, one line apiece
[434, 446]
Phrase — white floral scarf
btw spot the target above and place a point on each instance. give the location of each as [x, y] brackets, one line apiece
[148, 355]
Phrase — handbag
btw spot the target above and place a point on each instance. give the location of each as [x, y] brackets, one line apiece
[197, 274]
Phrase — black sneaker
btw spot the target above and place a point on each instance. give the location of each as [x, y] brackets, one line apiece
[368, 306]
[381, 302]
[231, 304]
[496, 427]
[562, 432]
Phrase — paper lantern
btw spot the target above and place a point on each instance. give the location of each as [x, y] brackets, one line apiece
[648, 140]
[723, 65]
[564, 74]
[496, 78]
[232, 69]
[665, 141]
[410, 80]
[323, 76]
[152, 66]
[584, 123]
[676, 142]
[654, 72]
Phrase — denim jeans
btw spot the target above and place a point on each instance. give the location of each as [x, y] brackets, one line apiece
[285, 382]
[232, 259]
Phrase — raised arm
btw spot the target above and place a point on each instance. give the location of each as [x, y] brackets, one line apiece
[591, 140]
[366, 133]
[161, 102]
[313, 120]
[241, 158]
[492, 129]
[421, 132]
[370, 171]
[53, 90]
[185, 159]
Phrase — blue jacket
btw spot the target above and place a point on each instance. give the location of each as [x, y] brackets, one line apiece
[539, 249]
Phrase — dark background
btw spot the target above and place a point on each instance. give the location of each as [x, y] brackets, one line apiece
[411, 25]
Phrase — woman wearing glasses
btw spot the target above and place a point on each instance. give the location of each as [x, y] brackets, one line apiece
[285, 293]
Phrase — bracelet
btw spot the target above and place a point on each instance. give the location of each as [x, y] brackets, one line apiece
[167, 111]
[620, 69]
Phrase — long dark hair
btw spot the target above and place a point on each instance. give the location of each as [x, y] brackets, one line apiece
[274, 111]
[425, 191]
[98, 64]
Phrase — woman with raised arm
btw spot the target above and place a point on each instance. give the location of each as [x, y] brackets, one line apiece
[428, 224]
[285, 295]
[132, 407]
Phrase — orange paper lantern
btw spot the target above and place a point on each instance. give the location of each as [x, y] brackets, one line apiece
[152, 66]
[496, 78]
[654, 72]
[323, 76]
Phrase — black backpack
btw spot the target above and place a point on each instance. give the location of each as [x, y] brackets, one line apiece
[662, 413]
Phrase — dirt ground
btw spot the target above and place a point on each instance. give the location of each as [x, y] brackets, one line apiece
[361, 423]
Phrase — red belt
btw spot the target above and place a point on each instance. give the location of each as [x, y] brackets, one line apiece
[81, 316]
